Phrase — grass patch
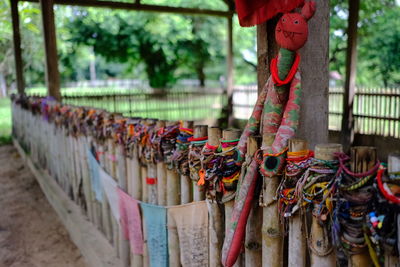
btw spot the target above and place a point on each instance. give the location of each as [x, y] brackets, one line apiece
[5, 121]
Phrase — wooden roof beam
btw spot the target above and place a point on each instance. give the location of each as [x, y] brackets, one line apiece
[142, 7]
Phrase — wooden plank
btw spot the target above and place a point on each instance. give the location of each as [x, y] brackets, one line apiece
[347, 134]
[142, 7]
[315, 78]
[94, 247]
[17, 47]
[50, 45]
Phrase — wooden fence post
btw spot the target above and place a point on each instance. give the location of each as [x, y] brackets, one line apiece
[143, 168]
[134, 178]
[151, 169]
[231, 134]
[320, 235]
[198, 191]
[106, 212]
[253, 237]
[111, 160]
[216, 233]
[173, 198]
[363, 158]
[173, 183]
[186, 182]
[122, 182]
[272, 245]
[161, 175]
[297, 242]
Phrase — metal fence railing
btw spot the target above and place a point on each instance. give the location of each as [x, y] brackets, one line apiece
[376, 110]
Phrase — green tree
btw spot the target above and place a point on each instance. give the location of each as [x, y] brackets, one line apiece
[370, 21]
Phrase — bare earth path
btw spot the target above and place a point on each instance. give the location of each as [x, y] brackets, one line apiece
[30, 232]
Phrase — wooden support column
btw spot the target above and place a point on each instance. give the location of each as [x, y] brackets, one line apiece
[315, 78]
[17, 47]
[50, 44]
[347, 133]
[229, 56]
[267, 49]
[229, 70]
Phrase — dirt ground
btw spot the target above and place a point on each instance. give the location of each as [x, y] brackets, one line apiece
[30, 232]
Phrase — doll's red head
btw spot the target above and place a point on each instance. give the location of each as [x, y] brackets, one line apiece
[291, 32]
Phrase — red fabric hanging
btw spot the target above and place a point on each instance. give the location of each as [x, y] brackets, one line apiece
[253, 12]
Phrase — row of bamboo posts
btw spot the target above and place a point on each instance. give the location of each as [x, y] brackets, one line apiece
[59, 143]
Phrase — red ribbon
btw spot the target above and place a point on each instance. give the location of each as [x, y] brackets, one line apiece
[387, 195]
[198, 138]
[151, 180]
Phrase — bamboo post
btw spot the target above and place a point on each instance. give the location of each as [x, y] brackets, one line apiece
[320, 237]
[122, 182]
[272, 238]
[97, 208]
[230, 134]
[105, 212]
[110, 160]
[143, 170]
[253, 238]
[393, 167]
[151, 174]
[198, 191]
[85, 174]
[129, 172]
[173, 198]
[297, 238]
[186, 188]
[134, 176]
[143, 175]
[216, 233]
[363, 158]
[161, 175]
[173, 184]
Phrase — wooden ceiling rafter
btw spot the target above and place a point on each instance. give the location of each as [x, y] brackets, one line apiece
[138, 6]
